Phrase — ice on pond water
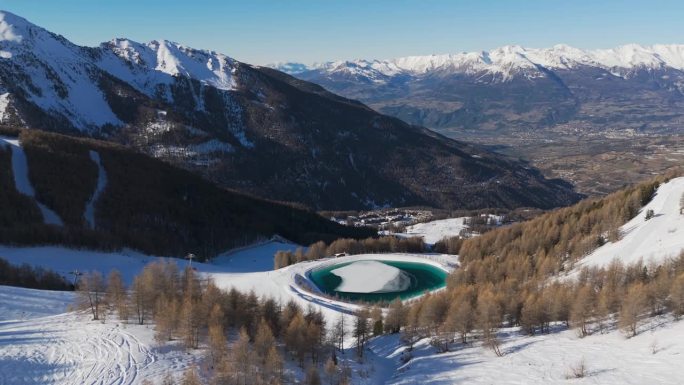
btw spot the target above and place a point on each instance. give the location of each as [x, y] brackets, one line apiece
[371, 277]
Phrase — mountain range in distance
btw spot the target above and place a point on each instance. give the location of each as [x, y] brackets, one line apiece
[252, 129]
[624, 91]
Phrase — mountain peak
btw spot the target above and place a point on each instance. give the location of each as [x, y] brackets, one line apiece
[510, 59]
[13, 27]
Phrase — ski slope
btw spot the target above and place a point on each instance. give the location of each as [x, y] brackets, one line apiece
[22, 182]
[18, 303]
[610, 358]
[99, 188]
[41, 344]
[653, 240]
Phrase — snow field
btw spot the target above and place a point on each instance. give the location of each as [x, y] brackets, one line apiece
[653, 240]
[434, 231]
[48, 346]
[610, 358]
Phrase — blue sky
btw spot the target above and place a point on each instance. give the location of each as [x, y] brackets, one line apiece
[264, 31]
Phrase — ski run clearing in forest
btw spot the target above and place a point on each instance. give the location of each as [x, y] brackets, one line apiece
[22, 182]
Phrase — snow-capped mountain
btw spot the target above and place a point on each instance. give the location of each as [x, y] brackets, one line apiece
[65, 80]
[508, 61]
[249, 128]
[635, 88]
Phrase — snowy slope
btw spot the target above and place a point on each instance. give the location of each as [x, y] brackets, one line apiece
[18, 303]
[253, 258]
[660, 237]
[434, 231]
[147, 66]
[64, 260]
[508, 61]
[64, 79]
[41, 344]
[610, 358]
[59, 74]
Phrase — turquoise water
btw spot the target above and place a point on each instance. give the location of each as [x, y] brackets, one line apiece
[424, 277]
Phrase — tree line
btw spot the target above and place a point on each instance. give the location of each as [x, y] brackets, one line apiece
[349, 246]
[600, 298]
[31, 277]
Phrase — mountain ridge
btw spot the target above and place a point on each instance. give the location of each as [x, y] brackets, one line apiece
[521, 92]
[249, 128]
[627, 56]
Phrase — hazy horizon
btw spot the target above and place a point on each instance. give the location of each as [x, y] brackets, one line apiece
[269, 31]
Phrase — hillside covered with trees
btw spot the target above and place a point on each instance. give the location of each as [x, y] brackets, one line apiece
[517, 276]
[146, 204]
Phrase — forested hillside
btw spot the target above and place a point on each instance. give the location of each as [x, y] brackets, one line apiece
[146, 204]
[250, 128]
[512, 276]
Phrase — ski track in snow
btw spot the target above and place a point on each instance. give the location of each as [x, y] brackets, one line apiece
[101, 184]
[23, 183]
[53, 350]
[41, 344]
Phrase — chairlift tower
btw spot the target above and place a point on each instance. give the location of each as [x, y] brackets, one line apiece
[190, 257]
[76, 274]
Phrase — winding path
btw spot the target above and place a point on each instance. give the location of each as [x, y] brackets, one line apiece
[101, 184]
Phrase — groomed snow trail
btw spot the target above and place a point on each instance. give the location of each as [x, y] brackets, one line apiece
[45, 345]
[64, 349]
[101, 184]
[23, 184]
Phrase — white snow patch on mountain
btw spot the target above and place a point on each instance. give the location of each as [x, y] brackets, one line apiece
[60, 74]
[651, 240]
[146, 66]
[4, 104]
